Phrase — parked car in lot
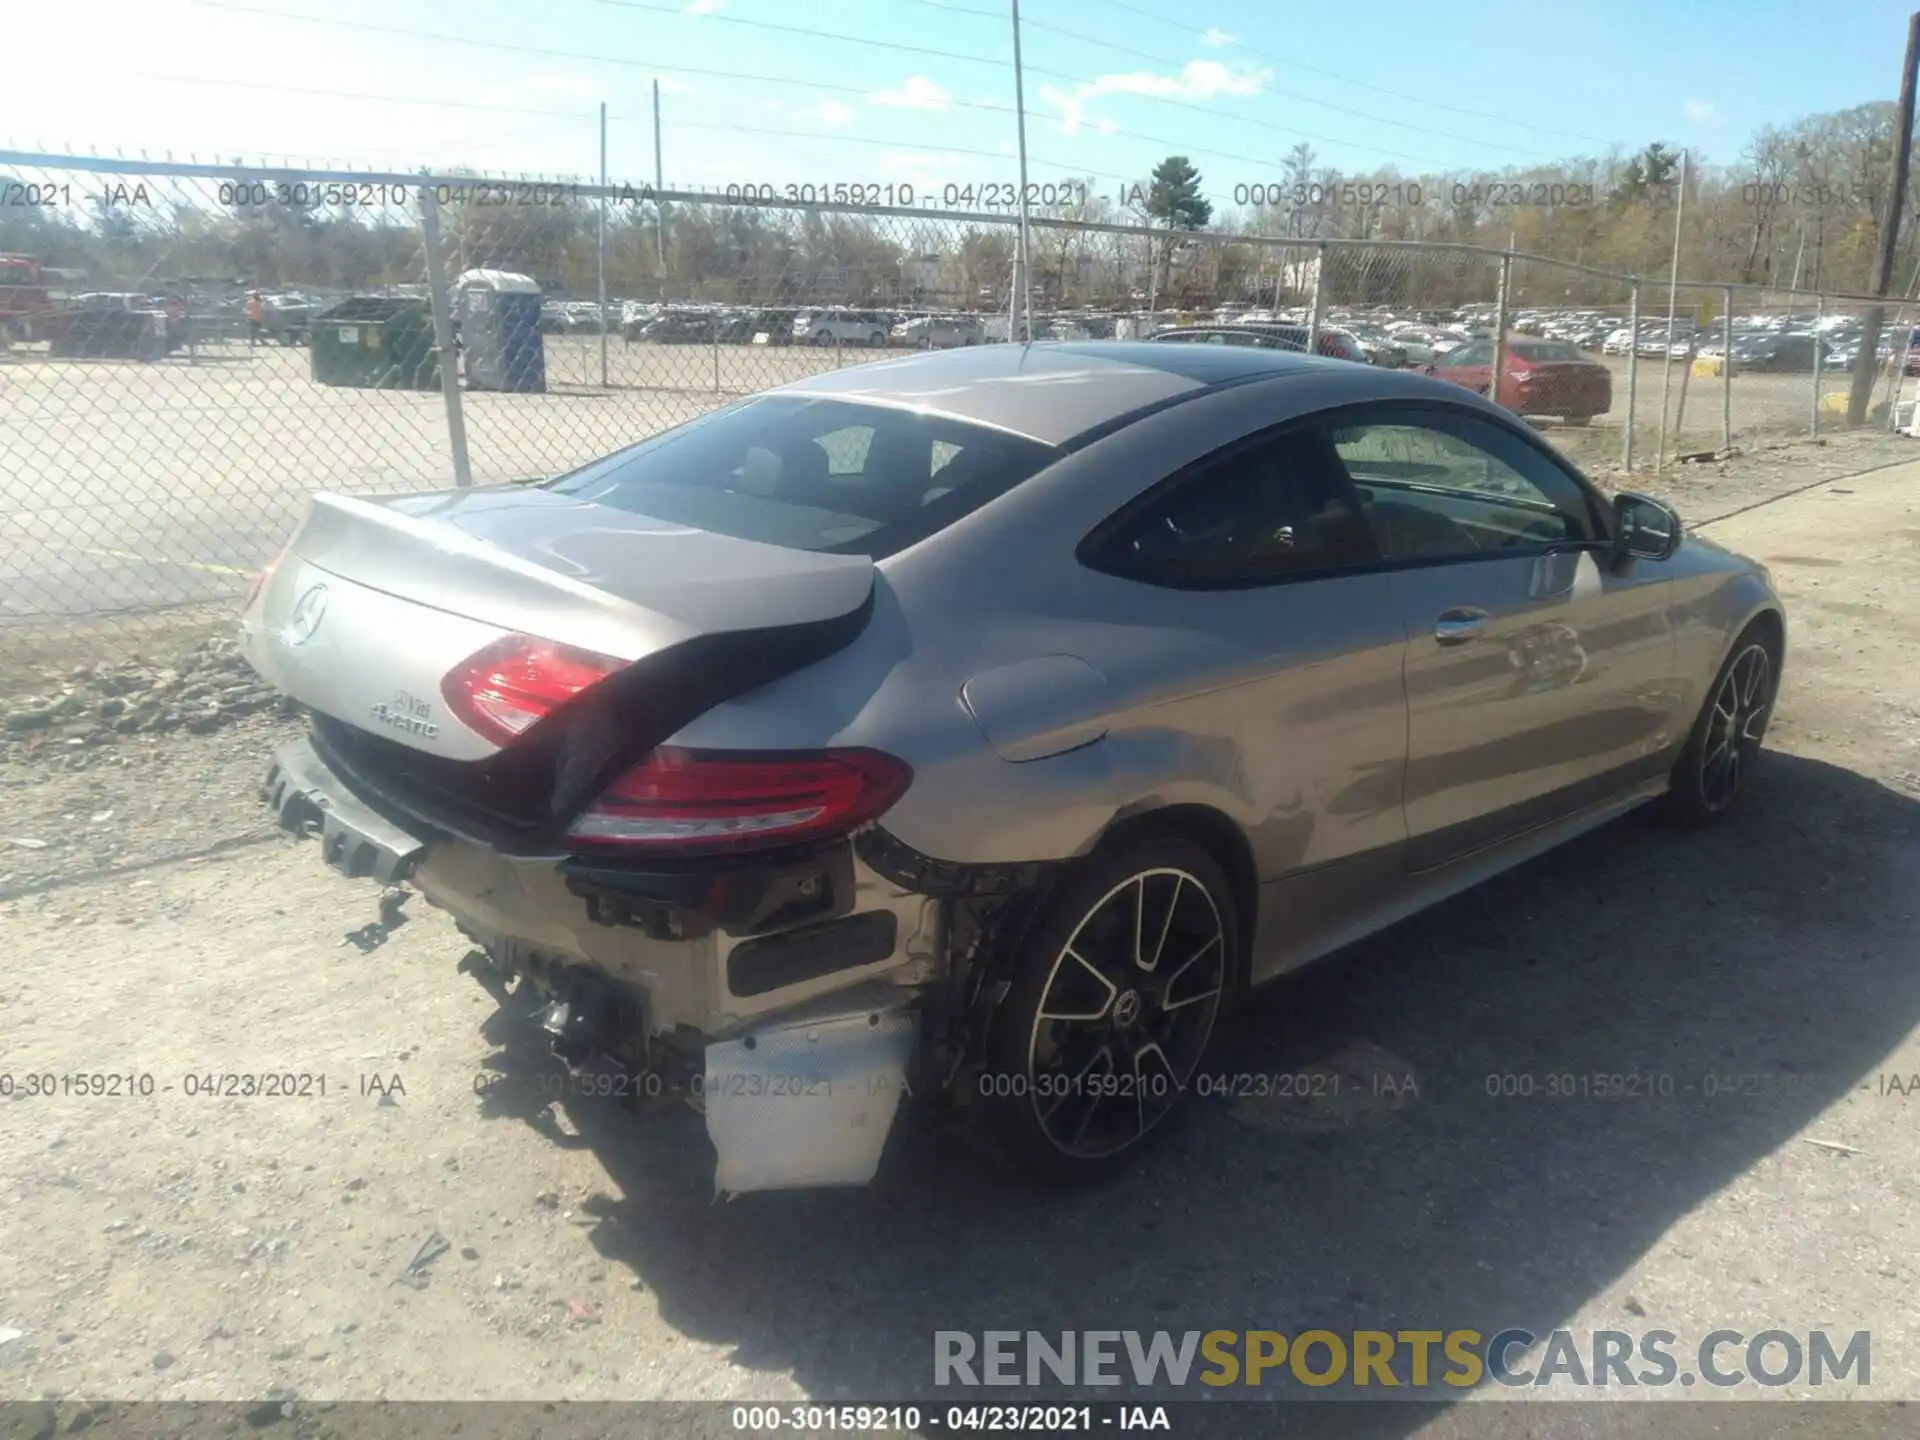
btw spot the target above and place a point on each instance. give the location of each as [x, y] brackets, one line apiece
[1418, 343]
[1538, 377]
[842, 327]
[1660, 342]
[1773, 352]
[117, 325]
[776, 325]
[1377, 346]
[1331, 343]
[679, 327]
[582, 317]
[939, 332]
[288, 317]
[757, 751]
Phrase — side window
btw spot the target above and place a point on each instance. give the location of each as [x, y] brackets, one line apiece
[1437, 484]
[1273, 510]
[1476, 352]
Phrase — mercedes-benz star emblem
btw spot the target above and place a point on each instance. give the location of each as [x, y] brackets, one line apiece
[307, 613]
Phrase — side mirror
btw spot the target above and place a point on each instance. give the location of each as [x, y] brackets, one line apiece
[1644, 528]
[1426, 370]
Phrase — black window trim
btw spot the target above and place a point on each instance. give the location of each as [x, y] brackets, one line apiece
[1088, 552]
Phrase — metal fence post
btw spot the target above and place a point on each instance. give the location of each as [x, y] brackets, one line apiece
[600, 249]
[1819, 354]
[1319, 289]
[1633, 373]
[714, 330]
[1900, 373]
[448, 355]
[1726, 375]
[1500, 326]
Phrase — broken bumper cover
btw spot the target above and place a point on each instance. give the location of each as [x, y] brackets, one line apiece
[355, 837]
[799, 1099]
[809, 1100]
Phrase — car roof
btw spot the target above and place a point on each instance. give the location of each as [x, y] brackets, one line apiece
[1057, 391]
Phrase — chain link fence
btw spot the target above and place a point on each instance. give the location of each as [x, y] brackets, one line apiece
[188, 352]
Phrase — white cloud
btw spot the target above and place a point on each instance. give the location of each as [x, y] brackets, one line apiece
[1216, 37]
[703, 7]
[673, 87]
[1198, 80]
[916, 92]
[829, 112]
[1702, 112]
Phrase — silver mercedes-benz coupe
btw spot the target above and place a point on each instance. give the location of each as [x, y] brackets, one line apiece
[975, 727]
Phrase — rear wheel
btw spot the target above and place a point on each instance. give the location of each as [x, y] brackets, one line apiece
[1115, 995]
[878, 339]
[1724, 745]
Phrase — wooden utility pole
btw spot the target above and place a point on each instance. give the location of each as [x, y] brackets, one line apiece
[1867, 366]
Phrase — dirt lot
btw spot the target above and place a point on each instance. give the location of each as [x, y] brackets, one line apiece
[403, 1236]
[144, 488]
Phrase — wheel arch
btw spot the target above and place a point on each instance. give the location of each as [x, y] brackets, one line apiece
[1215, 832]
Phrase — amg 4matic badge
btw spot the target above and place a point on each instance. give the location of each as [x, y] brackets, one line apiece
[406, 712]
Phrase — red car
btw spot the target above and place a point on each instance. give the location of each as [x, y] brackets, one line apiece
[1540, 377]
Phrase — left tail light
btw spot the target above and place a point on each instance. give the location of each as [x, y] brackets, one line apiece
[259, 582]
[504, 689]
[692, 802]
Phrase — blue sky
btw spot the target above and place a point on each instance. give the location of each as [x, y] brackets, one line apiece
[927, 99]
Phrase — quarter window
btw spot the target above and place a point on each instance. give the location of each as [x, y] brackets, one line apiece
[1273, 510]
[1437, 485]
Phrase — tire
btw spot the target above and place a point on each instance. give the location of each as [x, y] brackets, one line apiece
[823, 339]
[1578, 422]
[1709, 777]
[878, 340]
[1079, 1132]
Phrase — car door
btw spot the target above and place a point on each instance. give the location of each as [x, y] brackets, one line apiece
[1282, 673]
[1471, 365]
[1539, 678]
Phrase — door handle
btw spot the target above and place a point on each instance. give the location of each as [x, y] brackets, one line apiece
[1456, 627]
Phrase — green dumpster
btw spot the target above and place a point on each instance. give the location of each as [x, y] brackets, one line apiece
[372, 343]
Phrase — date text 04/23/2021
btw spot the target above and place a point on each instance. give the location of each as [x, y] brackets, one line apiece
[197, 1085]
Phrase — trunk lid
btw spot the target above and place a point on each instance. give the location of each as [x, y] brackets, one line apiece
[376, 601]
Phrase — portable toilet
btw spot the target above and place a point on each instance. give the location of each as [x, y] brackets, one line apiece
[500, 337]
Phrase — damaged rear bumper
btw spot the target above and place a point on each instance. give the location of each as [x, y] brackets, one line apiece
[797, 981]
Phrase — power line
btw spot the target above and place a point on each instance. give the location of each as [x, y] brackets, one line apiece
[548, 53]
[1364, 84]
[585, 114]
[1160, 59]
[1070, 168]
[844, 39]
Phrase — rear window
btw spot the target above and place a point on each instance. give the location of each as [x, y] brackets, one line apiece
[822, 475]
[1547, 353]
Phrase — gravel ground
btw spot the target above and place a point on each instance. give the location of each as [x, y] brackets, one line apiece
[402, 1235]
